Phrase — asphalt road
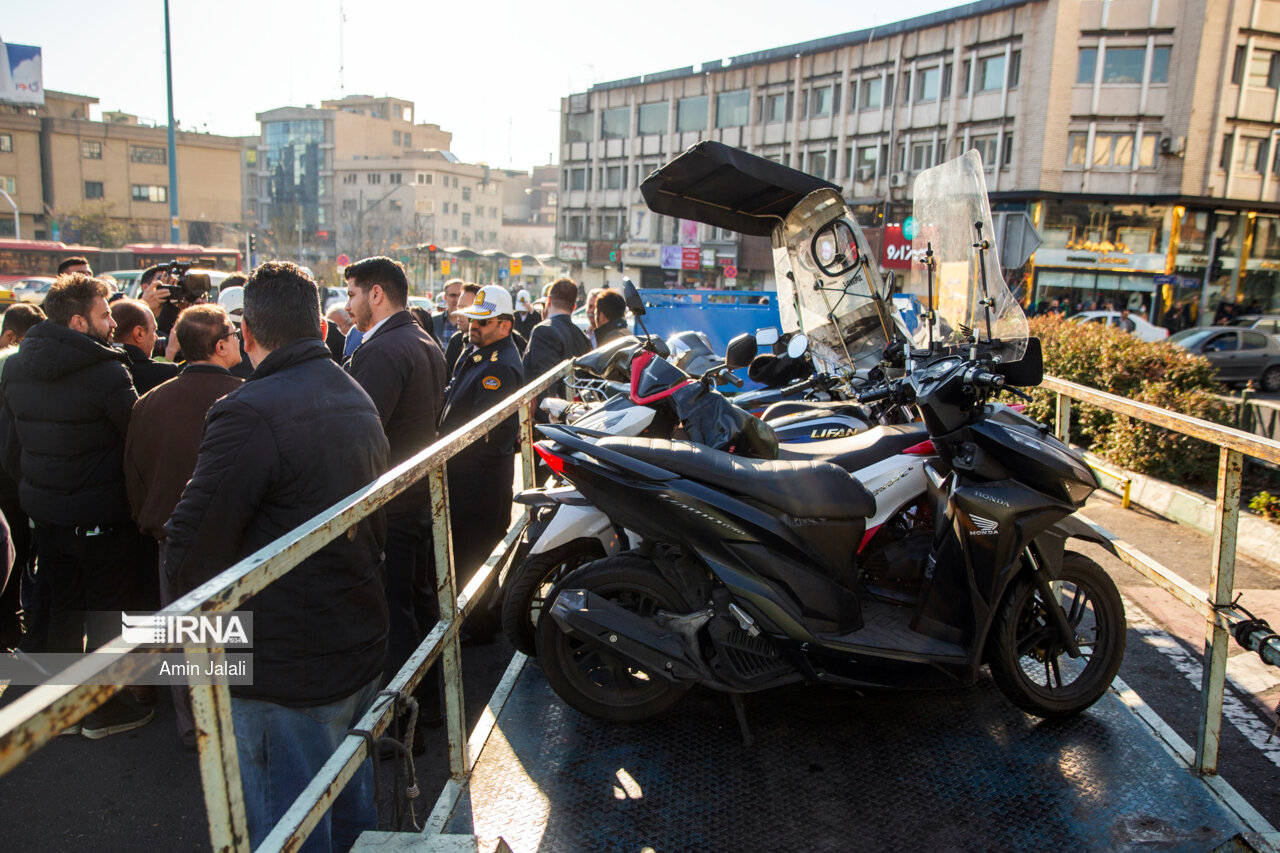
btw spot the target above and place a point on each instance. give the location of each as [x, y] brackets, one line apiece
[141, 790]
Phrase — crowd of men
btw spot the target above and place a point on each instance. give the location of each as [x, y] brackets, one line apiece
[149, 444]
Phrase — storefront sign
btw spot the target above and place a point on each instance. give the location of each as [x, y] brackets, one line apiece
[640, 253]
[690, 258]
[708, 257]
[688, 232]
[572, 252]
[896, 252]
[670, 256]
[1082, 259]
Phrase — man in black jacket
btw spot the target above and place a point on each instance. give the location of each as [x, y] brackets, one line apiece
[67, 396]
[555, 338]
[611, 317]
[402, 369]
[293, 440]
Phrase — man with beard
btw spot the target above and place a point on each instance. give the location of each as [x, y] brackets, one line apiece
[67, 397]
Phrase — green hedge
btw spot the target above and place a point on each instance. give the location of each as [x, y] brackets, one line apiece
[1158, 373]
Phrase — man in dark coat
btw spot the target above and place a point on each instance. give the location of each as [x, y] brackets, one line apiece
[164, 435]
[67, 396]
[611, 317]
[293, 440]
[555, 338]
[402, 369]
[445, 326]
[136, 334]
[481, 474]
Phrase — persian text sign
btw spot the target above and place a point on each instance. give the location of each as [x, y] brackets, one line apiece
[21, 78]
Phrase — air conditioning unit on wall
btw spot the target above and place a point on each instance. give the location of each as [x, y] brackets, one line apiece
[898, 179]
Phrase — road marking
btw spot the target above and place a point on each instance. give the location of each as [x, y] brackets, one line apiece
[1242, 716]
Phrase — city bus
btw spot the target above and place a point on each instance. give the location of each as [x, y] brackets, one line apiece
[25, 258]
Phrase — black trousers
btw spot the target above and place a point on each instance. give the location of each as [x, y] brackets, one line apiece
[12, 598]
[480, 513]
[86, 570]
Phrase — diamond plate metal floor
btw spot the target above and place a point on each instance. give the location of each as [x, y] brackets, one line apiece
[832, 770]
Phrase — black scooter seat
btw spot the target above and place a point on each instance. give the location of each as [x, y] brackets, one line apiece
[857, 451]
[802, 489]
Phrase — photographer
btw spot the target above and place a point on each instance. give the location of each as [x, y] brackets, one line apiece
[167, 289]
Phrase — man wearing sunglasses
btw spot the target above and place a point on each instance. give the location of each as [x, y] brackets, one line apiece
[481, 475]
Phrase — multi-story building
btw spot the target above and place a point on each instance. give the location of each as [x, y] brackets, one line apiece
[1139, 137]
[55, 161]
[529, 210]
[300, 148]
[426, 196]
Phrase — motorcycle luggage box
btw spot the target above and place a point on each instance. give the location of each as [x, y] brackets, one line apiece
[728, 188]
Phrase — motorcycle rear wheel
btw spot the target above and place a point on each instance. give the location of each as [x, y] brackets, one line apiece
[1027, 660]
[590, 679]
[528, 584]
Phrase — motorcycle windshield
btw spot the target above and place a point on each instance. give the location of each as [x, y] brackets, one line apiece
[826, 287]
[969, 292]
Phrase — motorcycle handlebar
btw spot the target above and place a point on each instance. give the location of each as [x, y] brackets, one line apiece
[734, 378]
[875, 395]
[980, 378]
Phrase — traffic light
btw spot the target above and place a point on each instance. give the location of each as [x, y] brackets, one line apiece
[1219, 249]
[431, 254]
[615, 257]
[253, 245]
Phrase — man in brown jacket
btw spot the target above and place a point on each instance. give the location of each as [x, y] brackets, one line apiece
[164, 438]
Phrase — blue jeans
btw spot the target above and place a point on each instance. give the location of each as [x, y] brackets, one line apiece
[281, 749]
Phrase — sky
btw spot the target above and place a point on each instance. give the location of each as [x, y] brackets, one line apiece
[492, 74]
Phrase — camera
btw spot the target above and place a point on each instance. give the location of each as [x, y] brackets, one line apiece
[190, 286]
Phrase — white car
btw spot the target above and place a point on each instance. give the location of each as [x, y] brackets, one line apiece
[1144, 330]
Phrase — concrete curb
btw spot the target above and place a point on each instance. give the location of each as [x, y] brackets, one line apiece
[1256, 537]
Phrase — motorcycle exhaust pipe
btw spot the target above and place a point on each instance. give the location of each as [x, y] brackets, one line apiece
[619, 632]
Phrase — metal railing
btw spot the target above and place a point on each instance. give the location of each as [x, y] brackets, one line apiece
[1261, 417]
[1215, 605]
[40, 715]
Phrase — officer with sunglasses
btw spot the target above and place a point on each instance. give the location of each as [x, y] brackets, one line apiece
[481, 475]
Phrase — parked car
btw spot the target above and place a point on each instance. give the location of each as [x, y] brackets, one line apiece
[33, 289]
[422, 302]
[1239, 355]
[1269, 323]
[1143, 329]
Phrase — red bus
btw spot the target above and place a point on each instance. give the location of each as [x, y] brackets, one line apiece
[25, 258]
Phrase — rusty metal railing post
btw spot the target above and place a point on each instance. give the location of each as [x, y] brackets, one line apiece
[526, 444]
[1062, 418]
[1222, 576]
[219, 764]
[447, 596]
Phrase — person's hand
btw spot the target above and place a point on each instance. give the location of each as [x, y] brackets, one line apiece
[156, 294]
[171, 348]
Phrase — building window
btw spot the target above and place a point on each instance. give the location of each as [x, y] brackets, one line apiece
[616, 123]
[408, 140]
[818, 164]
[1085, 67]
[350, 178]
[871, 92]
[733, 109]
[143, 192]
[921, 156]
[1264, 70]
[348, 204]
[393, 178]
[965, 74]
[493, 213]
[90, 150]
[653, 119]
[395, 204]
[395, 138]
[1253, 154]
[1160, 65]
[373, 178]
[1113, 149]
[991, 73]
[573, 229]
[577, 127]
[1077, 147]
[820, 102]
[986, 147]
[479, 211]
[426, 179]
[1123, 64]
[466, 220]
[1147, 152]
[8, 184]
[466, 193]
[148, 154]
[576, 179]
[775, 107]
[6, 143]
[691, 114]
[1007, 156]
[927, 80]
[614, 177]
[945, 91]
[93, 189]
[867, 158]
[1015, 68]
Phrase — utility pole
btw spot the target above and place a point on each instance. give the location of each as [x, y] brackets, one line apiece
[174, 236]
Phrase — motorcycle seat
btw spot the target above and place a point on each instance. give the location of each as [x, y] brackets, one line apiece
[802, 489]
[857, 451]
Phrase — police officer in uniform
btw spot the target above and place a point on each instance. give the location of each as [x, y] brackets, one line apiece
[482, 474]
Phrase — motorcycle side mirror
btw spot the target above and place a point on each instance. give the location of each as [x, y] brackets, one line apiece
[635, 304]
[1028, 371]
[798, 345]
[741, 350]
[767, 336]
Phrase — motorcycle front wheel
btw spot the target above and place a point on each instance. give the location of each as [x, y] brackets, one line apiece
[1027, 660]
[528, 585]
[592, 680]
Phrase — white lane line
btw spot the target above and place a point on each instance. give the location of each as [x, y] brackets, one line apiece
[1243, 717]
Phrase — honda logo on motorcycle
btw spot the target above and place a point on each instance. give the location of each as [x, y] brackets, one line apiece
[984, 526]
